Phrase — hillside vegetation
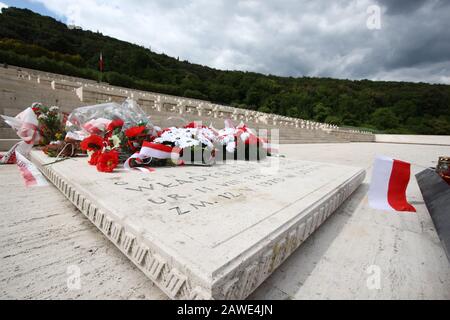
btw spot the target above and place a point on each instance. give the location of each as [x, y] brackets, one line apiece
[30, 40]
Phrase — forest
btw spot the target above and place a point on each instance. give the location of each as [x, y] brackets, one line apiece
[30, 40]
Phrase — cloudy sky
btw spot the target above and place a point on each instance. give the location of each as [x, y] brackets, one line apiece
[357, 39]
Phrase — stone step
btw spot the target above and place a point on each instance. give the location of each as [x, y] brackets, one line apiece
[7, 133]
[6, 144]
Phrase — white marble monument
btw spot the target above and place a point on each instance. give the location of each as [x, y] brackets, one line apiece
[206, 232]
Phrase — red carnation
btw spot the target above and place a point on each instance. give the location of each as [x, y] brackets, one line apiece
[37, 110]
[94, 158]
[118, 123]
[108, 161]
[92, 143]
[135, 131]
[194, 125]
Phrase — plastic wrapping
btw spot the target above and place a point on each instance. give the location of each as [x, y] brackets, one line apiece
[85, 121]
[26, 126]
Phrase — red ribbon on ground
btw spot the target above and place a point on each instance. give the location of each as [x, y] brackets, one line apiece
[157, 151]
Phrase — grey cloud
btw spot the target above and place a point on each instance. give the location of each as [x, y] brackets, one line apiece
[402, 6]
[288, 38]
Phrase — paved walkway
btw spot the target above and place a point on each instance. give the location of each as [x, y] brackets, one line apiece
[42, 236]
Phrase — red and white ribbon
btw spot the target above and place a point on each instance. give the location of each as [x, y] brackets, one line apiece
[31, 175]
[10, 156]
[154, 150]
[390, 179]
[26, 126]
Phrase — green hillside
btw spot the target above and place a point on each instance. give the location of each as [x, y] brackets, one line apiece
[30, 40]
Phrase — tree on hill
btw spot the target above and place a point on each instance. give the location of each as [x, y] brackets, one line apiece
[30, 40]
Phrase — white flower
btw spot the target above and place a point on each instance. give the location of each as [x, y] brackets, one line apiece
[245, 136]
[180, 137]
[206, 136]
[43, 117]
[54, 109]
[226, 136]
[231, 146]
[36, 105]
[115, 141]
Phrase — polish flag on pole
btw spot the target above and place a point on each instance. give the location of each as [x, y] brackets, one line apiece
[390, 180]
[100, 62]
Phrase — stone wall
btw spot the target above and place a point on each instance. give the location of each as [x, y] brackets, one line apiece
[20, 87]
[413, 139]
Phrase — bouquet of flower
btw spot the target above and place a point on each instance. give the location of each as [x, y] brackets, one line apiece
[26, 126]
[240, 143]
[51, 123]
[110, 133]
[195, 142]
[443, 168]
[191, 144]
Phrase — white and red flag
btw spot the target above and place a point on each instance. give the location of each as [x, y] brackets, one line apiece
[101, 63]
[390, 179]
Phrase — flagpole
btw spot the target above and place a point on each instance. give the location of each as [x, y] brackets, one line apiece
[101, 67]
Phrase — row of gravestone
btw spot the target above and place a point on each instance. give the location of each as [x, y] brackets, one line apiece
[91, 92]
[71, 92]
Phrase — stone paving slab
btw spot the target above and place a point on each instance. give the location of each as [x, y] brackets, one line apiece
[331, 264]
[45, 242]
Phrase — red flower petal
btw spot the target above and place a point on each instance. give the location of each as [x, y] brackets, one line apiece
[108, 161]
[118, 123]
[92, 143]
[134, 131]
[94, 158]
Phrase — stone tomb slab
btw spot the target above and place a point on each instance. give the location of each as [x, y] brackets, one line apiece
[206, 232]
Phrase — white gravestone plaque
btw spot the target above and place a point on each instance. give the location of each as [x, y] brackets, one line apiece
[206, 232]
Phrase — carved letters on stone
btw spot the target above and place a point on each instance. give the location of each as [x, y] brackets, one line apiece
[236, 279]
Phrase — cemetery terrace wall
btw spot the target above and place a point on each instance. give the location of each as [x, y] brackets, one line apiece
[21, 87]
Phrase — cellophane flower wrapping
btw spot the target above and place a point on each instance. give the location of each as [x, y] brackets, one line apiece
[97, 119]
[85, 121]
